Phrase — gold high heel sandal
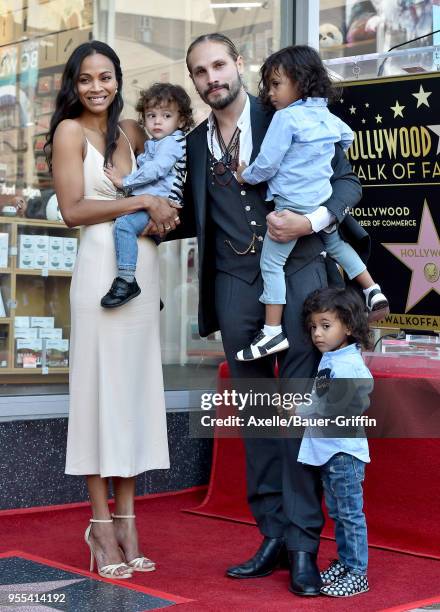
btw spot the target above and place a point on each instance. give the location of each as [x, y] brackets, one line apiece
[106, 571]
[138, 562]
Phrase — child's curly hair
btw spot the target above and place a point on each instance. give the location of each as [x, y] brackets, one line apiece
[166, 93]
[347, 305]
[302, 65]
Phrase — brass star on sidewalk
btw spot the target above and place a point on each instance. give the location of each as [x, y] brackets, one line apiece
[422, 97]
[397, 108]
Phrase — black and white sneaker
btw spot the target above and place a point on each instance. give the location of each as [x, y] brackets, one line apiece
[335, 570]
[377, 304]
[349, 585]
[263, 345]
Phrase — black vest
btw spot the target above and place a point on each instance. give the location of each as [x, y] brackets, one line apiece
[238, 221]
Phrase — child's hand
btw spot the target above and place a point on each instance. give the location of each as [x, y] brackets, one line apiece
[241, 168]
[115, 176]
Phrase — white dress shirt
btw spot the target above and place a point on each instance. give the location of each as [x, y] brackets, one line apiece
[319, 219]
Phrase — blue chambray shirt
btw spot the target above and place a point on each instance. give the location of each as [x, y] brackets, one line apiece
[296, 153]
[161, 168]
[344, 363]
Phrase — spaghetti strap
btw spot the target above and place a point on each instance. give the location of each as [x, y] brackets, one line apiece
[129, 143]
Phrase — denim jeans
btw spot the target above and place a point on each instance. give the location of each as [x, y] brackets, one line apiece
[126, 231]
[342, 478]
[274, 256]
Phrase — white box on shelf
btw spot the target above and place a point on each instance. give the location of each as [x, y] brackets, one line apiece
[56, 244]
[27, 243]
[41, 260]
[50, 333]
[70, 246]
[29, 353]
[26, 333]
[26, 251]
[43, 322]
[41, 243]
[56, 261]
[4, 244]
[22, 322]
[26, 261]
[57, 353]
[68, 262]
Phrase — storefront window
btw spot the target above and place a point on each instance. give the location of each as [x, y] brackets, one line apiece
[354, 28]
[37, 253]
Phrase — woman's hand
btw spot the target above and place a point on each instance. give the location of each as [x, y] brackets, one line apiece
[286, 225]
[114, 175]
[164, 216]
[153, 230]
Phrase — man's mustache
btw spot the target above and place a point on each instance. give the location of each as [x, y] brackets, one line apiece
[217, 86]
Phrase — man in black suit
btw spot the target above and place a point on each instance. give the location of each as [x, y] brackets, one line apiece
[230, 222]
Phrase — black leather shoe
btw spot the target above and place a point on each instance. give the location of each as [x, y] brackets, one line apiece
[304, 574]
[120, 293]
[265, 560]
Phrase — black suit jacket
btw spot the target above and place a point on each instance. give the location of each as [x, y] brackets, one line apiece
[195, 220]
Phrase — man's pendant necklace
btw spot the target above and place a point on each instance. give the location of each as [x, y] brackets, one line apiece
[229, 158]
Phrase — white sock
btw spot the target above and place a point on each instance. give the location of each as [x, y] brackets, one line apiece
[272, 330]
[367, 291]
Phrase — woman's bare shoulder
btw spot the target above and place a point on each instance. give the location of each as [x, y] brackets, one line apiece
[69, 127]
[134, 132]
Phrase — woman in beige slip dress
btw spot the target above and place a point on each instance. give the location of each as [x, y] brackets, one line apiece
[117, 421]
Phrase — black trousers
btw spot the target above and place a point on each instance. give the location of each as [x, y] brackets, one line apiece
[284, 495]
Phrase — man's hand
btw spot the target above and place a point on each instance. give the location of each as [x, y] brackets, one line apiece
[114, 175]
[286, 225]
[241, 168]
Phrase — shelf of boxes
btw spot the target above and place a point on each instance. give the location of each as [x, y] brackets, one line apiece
[34, 295]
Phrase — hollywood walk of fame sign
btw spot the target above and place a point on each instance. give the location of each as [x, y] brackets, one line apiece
[396, 155]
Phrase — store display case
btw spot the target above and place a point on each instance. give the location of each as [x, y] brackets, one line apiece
[37, 259]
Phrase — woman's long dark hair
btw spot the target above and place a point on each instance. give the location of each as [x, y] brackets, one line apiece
[68, 106]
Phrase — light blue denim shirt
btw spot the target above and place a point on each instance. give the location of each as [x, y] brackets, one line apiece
[345, 363]
[161, 168]
[296, 153]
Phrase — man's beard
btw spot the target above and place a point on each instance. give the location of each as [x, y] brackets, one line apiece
[233, 91]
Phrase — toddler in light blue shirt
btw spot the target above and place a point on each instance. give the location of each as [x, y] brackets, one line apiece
[295, 161]
[166, 113]
[338, 328]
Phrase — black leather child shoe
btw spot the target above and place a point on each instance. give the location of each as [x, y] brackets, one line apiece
[120, 293]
